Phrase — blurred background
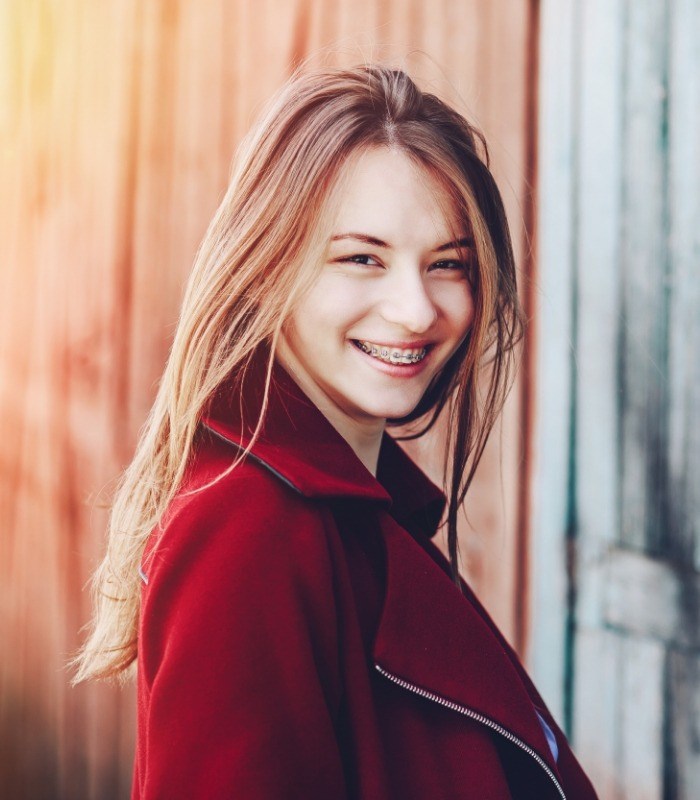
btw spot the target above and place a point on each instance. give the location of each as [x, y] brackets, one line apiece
[118, 121]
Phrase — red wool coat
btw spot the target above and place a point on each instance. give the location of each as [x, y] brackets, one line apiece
[300, 636]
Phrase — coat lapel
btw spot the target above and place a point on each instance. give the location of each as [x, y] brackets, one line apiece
[445, 647]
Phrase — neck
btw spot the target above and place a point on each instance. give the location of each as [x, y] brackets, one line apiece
[365, 442]
[363, 436]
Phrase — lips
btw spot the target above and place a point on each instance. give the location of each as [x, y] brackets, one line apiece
[391, 354]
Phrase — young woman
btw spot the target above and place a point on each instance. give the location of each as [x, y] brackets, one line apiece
[271, 563]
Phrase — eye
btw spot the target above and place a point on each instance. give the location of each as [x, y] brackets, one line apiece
[452, 265]
[364, 259]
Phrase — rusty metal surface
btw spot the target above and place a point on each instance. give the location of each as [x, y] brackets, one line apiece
[117, 124]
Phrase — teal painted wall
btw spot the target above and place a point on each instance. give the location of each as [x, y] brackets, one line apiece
[617, 484]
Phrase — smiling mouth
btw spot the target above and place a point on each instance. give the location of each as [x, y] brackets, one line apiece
[391, 355]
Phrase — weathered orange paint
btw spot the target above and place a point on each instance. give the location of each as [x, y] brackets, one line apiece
[118, 126]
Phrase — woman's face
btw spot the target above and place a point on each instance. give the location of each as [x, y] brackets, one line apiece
[393, 300]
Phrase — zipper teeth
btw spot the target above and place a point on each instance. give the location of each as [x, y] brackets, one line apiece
[475, 716]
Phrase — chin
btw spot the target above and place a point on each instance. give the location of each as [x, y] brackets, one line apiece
[390, 410]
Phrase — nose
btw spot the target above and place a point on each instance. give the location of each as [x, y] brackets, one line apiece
[407, 303]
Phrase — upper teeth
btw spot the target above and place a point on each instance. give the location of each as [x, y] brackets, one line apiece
[393, 355]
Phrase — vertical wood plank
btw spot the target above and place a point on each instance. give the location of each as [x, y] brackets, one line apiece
[597, 298]
[644, 260]
[640, 712]
[596, 722]
[553, 339]
[684, 281]
[683, 726]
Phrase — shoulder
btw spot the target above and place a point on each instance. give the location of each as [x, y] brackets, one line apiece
[239, 618]
[248, 512]
[235, 560]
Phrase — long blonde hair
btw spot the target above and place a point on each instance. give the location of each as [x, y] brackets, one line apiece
[260, 253]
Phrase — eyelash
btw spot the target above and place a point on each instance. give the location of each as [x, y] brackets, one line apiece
[465, 266]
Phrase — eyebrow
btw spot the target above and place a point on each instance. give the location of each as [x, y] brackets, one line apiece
[466, 241]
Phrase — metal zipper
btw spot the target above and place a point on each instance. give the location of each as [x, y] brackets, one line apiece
[475, 716]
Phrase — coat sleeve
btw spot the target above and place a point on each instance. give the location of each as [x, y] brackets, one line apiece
[238, 653]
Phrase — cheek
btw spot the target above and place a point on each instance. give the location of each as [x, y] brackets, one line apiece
[333, 306]
[458, 309]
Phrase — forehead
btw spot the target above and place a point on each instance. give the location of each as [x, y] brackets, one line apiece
[385, 193]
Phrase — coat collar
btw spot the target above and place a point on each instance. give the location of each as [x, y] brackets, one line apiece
[446, 646]
[302, 448]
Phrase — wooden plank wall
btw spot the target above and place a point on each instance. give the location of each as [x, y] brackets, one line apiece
[619, 273]
[118, 120]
